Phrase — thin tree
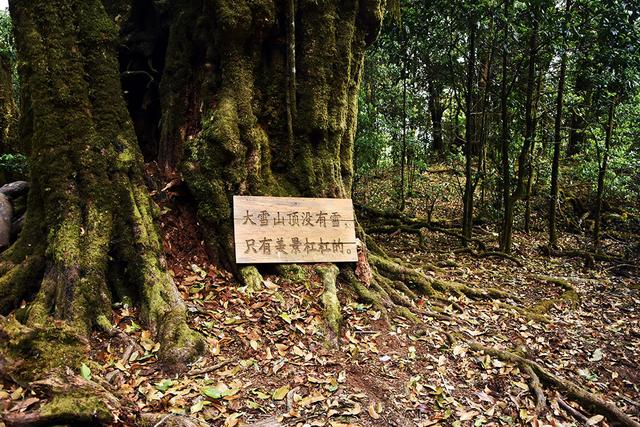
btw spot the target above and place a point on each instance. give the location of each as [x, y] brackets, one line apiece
[603, 161]
[467, 219]
[557, 128]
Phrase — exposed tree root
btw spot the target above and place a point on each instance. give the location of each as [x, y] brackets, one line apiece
[417, 227]
[390, 222]
[585, 398]
[528, 313]
[30, 353]
[489, 254]
[72, 401]
[589, 258]
[365, 294]
[410, 277]
[251, 278]
[579, 416]
[569, 295]
[429, 286]
[18, 281]
[538, 392]
[333, 317]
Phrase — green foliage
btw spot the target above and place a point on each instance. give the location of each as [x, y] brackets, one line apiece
[14, 165]
[424, 49]
[7, 44]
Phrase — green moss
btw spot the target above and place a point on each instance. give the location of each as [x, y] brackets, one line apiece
[293, 273]
[406, 313]
[179, 344]
[332, 313]
[569, 296]
[251, 278]
[242, 143]
[78, 404]
[41, 349]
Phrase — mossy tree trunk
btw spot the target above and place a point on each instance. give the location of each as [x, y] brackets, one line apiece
[89, 235]
[248, 107]
[8, 109]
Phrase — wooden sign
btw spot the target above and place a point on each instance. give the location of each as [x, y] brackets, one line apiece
[293, 229]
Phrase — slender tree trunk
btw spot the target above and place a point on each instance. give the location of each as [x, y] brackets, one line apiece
[532, 154]
[602, 172]
[578, 121]
[291, 70]
[557, 136]
[467, 220]
[403, 151]
[436, 110]
[524, 158]
[484, 90]
[507, 220]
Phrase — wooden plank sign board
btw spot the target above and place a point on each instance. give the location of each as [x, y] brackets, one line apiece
[293, 229]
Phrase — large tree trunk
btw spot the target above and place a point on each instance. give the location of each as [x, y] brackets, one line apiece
[89, 227]
[8, 110]
[232, 63]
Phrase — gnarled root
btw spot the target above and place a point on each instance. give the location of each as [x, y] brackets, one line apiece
[72, 401]
[251, 278]
[490, 254]
[574, 391]
[29, 353]
[570, 295]
[391, 222]
[429, 286]
[333, 317]
[589, 258]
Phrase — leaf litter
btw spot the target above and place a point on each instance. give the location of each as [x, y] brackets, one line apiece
[274, 361]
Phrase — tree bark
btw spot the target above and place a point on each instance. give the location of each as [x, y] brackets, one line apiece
[507, 220]
[524, 157]
[8, 108]
[603, 162]
[436, 109]
[228, 60]
[578, 121]
[403, 151]
[467, 220]
[532, 157]
[557, 137]
[89, 221]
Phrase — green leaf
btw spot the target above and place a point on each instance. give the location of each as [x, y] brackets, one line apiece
[285, 317]
[216, 392]
[219, 391]
[260, 395]
[85, 372]
[280, 393]
[197, 407]
[164, 385]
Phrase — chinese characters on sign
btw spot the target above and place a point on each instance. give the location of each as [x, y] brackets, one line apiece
[293, 229]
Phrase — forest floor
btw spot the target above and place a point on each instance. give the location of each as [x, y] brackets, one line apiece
[269, 358]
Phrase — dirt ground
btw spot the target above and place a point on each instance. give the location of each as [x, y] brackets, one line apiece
[270, 357]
